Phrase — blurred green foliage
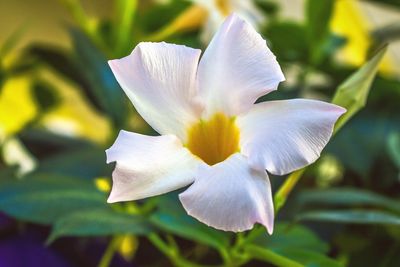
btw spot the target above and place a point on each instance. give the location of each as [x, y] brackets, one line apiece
[357, 215]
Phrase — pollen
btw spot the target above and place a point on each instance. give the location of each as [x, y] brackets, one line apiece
[214, 140]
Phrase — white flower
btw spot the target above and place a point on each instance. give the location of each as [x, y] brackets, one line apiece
[218, 10]
[213, 137]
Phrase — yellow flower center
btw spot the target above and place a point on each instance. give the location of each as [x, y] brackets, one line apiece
[223, 6]
[214, 140]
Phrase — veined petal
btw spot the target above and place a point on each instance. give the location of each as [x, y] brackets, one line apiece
[148, 166]
[282, 136]
[160, 80]
[236, 69]
[230, 196]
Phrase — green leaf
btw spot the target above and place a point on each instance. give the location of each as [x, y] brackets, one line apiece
[288, 41]
[99, 222]
[62, 62]
[389, 3]
[292, 236]
[39, 140]
[352, 139]
[347, 197]
[267, 255]
[172, 218]
[387, 33]
[124, 17]
[394, 148]
[45, 96]
[318, 14]
[86, 162]
[297, 243]
[353, 93]
[351, 216]
[308, 257]
[10, 42]
[102, 85]
[42, 198]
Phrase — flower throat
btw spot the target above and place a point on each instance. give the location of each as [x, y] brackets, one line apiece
[214, 140]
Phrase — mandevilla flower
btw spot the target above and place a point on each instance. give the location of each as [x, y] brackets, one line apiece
[213, 137]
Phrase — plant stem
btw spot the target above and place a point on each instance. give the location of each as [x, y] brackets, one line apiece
[287, 187]
[109, 252]
[271, 257]
[171, 252]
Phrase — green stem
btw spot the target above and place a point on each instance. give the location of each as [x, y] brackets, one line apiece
[161, 245]
[287, 187]
[109, 253]
[271, 257]
[172, 253]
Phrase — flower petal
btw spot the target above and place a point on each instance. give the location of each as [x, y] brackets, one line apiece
[236, 69]
[148, 166]
[230, 196]
[160, 80]
[282, 136]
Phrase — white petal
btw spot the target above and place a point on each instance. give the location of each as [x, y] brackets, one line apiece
[148, 166]
[230, 196]
[160, 80]
[236, 69]
[282, 136]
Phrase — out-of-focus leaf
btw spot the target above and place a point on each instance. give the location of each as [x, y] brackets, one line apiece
[98, 222]
[296, 243]
[88, 162]
[268, 7]
[267, 255]
[124, 17]
[353, 93]
[165, 14]
[368, 132]
[44, 143]
[352, 216]
[45, 96]
[288, 40]
[292, 236]
[394, 148]
[318, 14]
[42, 198]
[60, 61]
[105, 89]
[11, 41]
[390, 3]
[387, 33]
[172, 218]
[347, 197]
[308, 258]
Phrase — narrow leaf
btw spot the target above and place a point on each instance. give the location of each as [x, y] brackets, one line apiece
[98, 222]
[352, 216]
[347, 197]
[318, 14]
[267, 255]
[102, 85]
[44, 198]
[172, 218]
[353, 93]
[394, 148]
